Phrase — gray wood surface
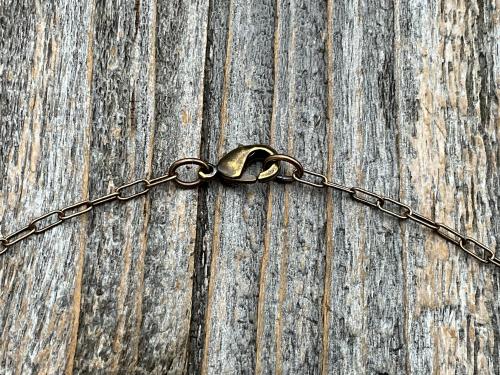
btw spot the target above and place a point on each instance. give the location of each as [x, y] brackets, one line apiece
[398, 96]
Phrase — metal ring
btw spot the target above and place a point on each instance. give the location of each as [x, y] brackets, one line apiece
[324, 180]
[450, 230]
[423, 220]
[104, 199]
[211, 174]
[88, 204]
[137, 182]
[298, 171]
[3, 247]
[209, 169]
[409, 210]
[49, 226]
[161, 180]
[464, 240]
[30, 229]
[354, 195]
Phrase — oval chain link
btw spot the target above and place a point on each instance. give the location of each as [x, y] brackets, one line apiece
[64, 212]
[45, 228]
[121, 189]
[138, 188]
[123, 193]
[483, 253]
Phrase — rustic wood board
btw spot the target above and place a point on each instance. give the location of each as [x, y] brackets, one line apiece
[401, 97]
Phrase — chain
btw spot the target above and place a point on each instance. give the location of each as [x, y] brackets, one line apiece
[123, 193]
[389, 206]
[208, 171]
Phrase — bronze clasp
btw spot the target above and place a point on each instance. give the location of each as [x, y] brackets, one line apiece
[232, 165]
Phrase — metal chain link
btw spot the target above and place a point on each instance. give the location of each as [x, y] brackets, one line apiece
[207, 171]
[399, 210]
[122, 193]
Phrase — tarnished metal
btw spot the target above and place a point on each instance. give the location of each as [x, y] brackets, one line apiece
[206, 171]
[298, 169]
[40, 229]
[232, 168]
[405, 216]
[357, 193]
[486, 256]
[423, 220]
[122, 189]
[18, 235]
[105, 199]
[76, 209]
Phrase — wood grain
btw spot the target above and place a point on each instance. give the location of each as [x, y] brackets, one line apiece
[397, 96]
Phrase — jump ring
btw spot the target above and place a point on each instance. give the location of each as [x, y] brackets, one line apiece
[296, 174]
[208, 170]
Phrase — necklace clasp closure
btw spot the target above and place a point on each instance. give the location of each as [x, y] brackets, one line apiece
[231, 167]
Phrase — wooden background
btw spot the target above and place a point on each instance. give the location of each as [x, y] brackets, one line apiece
[398, 96]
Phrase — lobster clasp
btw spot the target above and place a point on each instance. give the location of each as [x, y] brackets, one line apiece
[232, 165]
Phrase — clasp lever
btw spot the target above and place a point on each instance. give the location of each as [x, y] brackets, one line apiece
[232, 166]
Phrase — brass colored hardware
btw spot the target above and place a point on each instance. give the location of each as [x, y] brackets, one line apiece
[232, 166]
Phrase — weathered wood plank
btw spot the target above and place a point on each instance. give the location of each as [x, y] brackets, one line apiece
[397, 96]
[121, 148]
[365, 320]
[45, 69]
[122, 93]
[215, 78]
[240, 113]
[292, 272]
[169, 262]
[136, 311]
[449, 121]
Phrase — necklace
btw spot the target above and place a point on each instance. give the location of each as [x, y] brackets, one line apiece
[230, 169]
